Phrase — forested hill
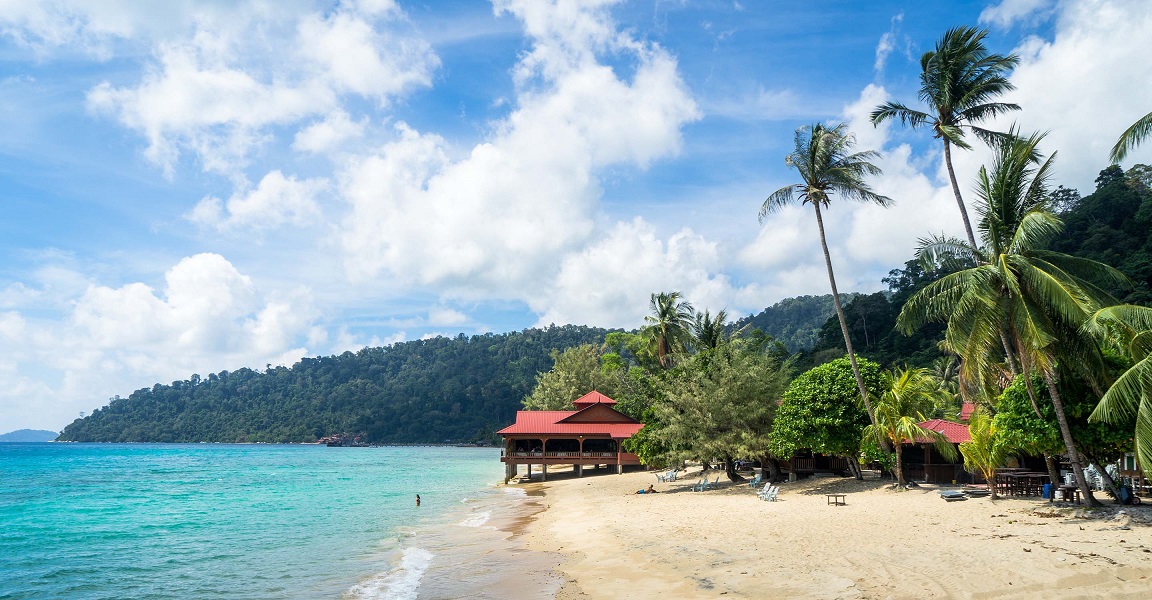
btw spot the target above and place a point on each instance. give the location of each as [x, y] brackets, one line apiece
[458, 389]
[795, 322]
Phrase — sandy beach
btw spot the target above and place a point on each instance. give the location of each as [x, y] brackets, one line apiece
[883, 543]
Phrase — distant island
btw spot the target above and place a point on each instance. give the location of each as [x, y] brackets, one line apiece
[28, 435]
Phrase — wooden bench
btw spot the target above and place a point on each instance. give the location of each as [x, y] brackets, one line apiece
[836, 499]
[1066, 493]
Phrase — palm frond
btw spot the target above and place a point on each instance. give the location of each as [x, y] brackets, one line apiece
[1132, 137]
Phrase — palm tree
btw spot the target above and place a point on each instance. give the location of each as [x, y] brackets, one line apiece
[1130, 329]
[708, 331]
[984, 453]
[1037, 299]
[908, 394]
[958, 80]
[826, 167]
[1131, 138]
[668, 325]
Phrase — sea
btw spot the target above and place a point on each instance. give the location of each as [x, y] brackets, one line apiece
[204, 521]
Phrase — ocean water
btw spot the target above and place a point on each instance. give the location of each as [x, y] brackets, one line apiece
[207, 521]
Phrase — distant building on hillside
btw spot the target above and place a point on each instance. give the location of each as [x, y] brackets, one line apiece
[591, 435]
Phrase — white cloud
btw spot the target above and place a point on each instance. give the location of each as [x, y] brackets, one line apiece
[497, 222]
[1009, 12]
[207, 317]
[221, 92]
[887, 43]
[276, 201]
[328, 134]
[1086, 85]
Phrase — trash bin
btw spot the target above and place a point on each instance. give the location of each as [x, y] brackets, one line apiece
[1125, 494]
[1048, 491]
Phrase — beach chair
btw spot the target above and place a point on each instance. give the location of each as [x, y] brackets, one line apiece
[661, 478]
[699, 485]
[769, 492]
[755, 481]
[715, 485]
[673, 476]
[760, 493]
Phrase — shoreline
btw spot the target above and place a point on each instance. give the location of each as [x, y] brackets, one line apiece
[882, 544]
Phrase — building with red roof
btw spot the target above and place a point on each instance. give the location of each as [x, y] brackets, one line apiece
[922, 461]
[591, 435]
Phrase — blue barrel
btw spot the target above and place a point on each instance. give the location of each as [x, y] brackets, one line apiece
[1048, 490]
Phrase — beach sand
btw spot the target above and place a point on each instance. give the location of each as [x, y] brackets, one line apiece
[613, 543]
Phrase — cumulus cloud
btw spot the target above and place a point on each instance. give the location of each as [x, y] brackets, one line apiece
[277, 200]
[220, 92]
[887, 43]
[497, 222]
[1009, 12]
[208, 316]
[1086, 85]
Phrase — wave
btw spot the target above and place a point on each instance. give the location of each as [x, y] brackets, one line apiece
[477, 519]
[401, 583]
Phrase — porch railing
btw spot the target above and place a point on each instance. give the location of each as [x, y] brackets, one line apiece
[558, 454]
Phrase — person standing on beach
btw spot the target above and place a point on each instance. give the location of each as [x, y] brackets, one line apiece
[417, 499]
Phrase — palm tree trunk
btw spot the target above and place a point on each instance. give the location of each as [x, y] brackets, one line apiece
[844, 326]
[899, 470]
[956, 192]
[1069, 443]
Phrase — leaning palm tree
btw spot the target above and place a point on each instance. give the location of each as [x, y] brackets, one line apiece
[668, 325]
[1129, 329]
[958, 80]
[1035, 298]
[908, 394]
[826, 167]
[1138, 132]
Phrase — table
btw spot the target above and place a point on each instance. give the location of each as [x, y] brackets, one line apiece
[837, 499]
[1066, 493]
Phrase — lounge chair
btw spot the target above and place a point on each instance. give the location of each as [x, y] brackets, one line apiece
[755, 481]
[769, 492]
[715, 485]
[661, 478]
[672, 476]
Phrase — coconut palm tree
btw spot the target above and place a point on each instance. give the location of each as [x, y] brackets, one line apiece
[1037, 299]
[826, 167]
[908, 395]
[668, 325]
[1129, 328]
[1138, 132]
[708, 331]
[958, 80]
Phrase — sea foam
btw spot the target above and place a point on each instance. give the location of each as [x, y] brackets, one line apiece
[401, 583]
[477, 519]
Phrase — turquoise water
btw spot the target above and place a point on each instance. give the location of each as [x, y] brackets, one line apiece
[225, 521]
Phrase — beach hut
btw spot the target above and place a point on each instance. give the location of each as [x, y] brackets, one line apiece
[922, 461]
[591, 435]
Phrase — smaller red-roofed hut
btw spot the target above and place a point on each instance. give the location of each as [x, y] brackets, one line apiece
[591, 435]
[923, 462]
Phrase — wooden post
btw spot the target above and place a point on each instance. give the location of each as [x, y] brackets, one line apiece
[544, 472]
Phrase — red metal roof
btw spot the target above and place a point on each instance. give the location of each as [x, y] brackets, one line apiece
[957, 433]
[966, 410]
[592, 398]
[545, 422]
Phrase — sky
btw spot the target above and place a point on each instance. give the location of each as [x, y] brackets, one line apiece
[204, 185]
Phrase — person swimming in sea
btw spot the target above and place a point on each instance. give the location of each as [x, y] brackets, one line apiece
[417, 499]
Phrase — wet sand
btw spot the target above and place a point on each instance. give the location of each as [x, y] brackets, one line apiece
[882, 544]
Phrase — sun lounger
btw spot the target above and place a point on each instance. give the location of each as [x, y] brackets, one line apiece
[755, 481]
[769, 493]
[715, 485]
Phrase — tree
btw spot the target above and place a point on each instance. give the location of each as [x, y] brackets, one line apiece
[820, 411]
[907, 396]
[720, 404]
[1019, 299]
[1131, 138]
[707, 331]
[826, 167]
[575, 372]
[1129, 328]
[958, 80]
[984, 453]
[668, 325]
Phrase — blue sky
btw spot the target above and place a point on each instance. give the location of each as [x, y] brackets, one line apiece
[205, 185]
